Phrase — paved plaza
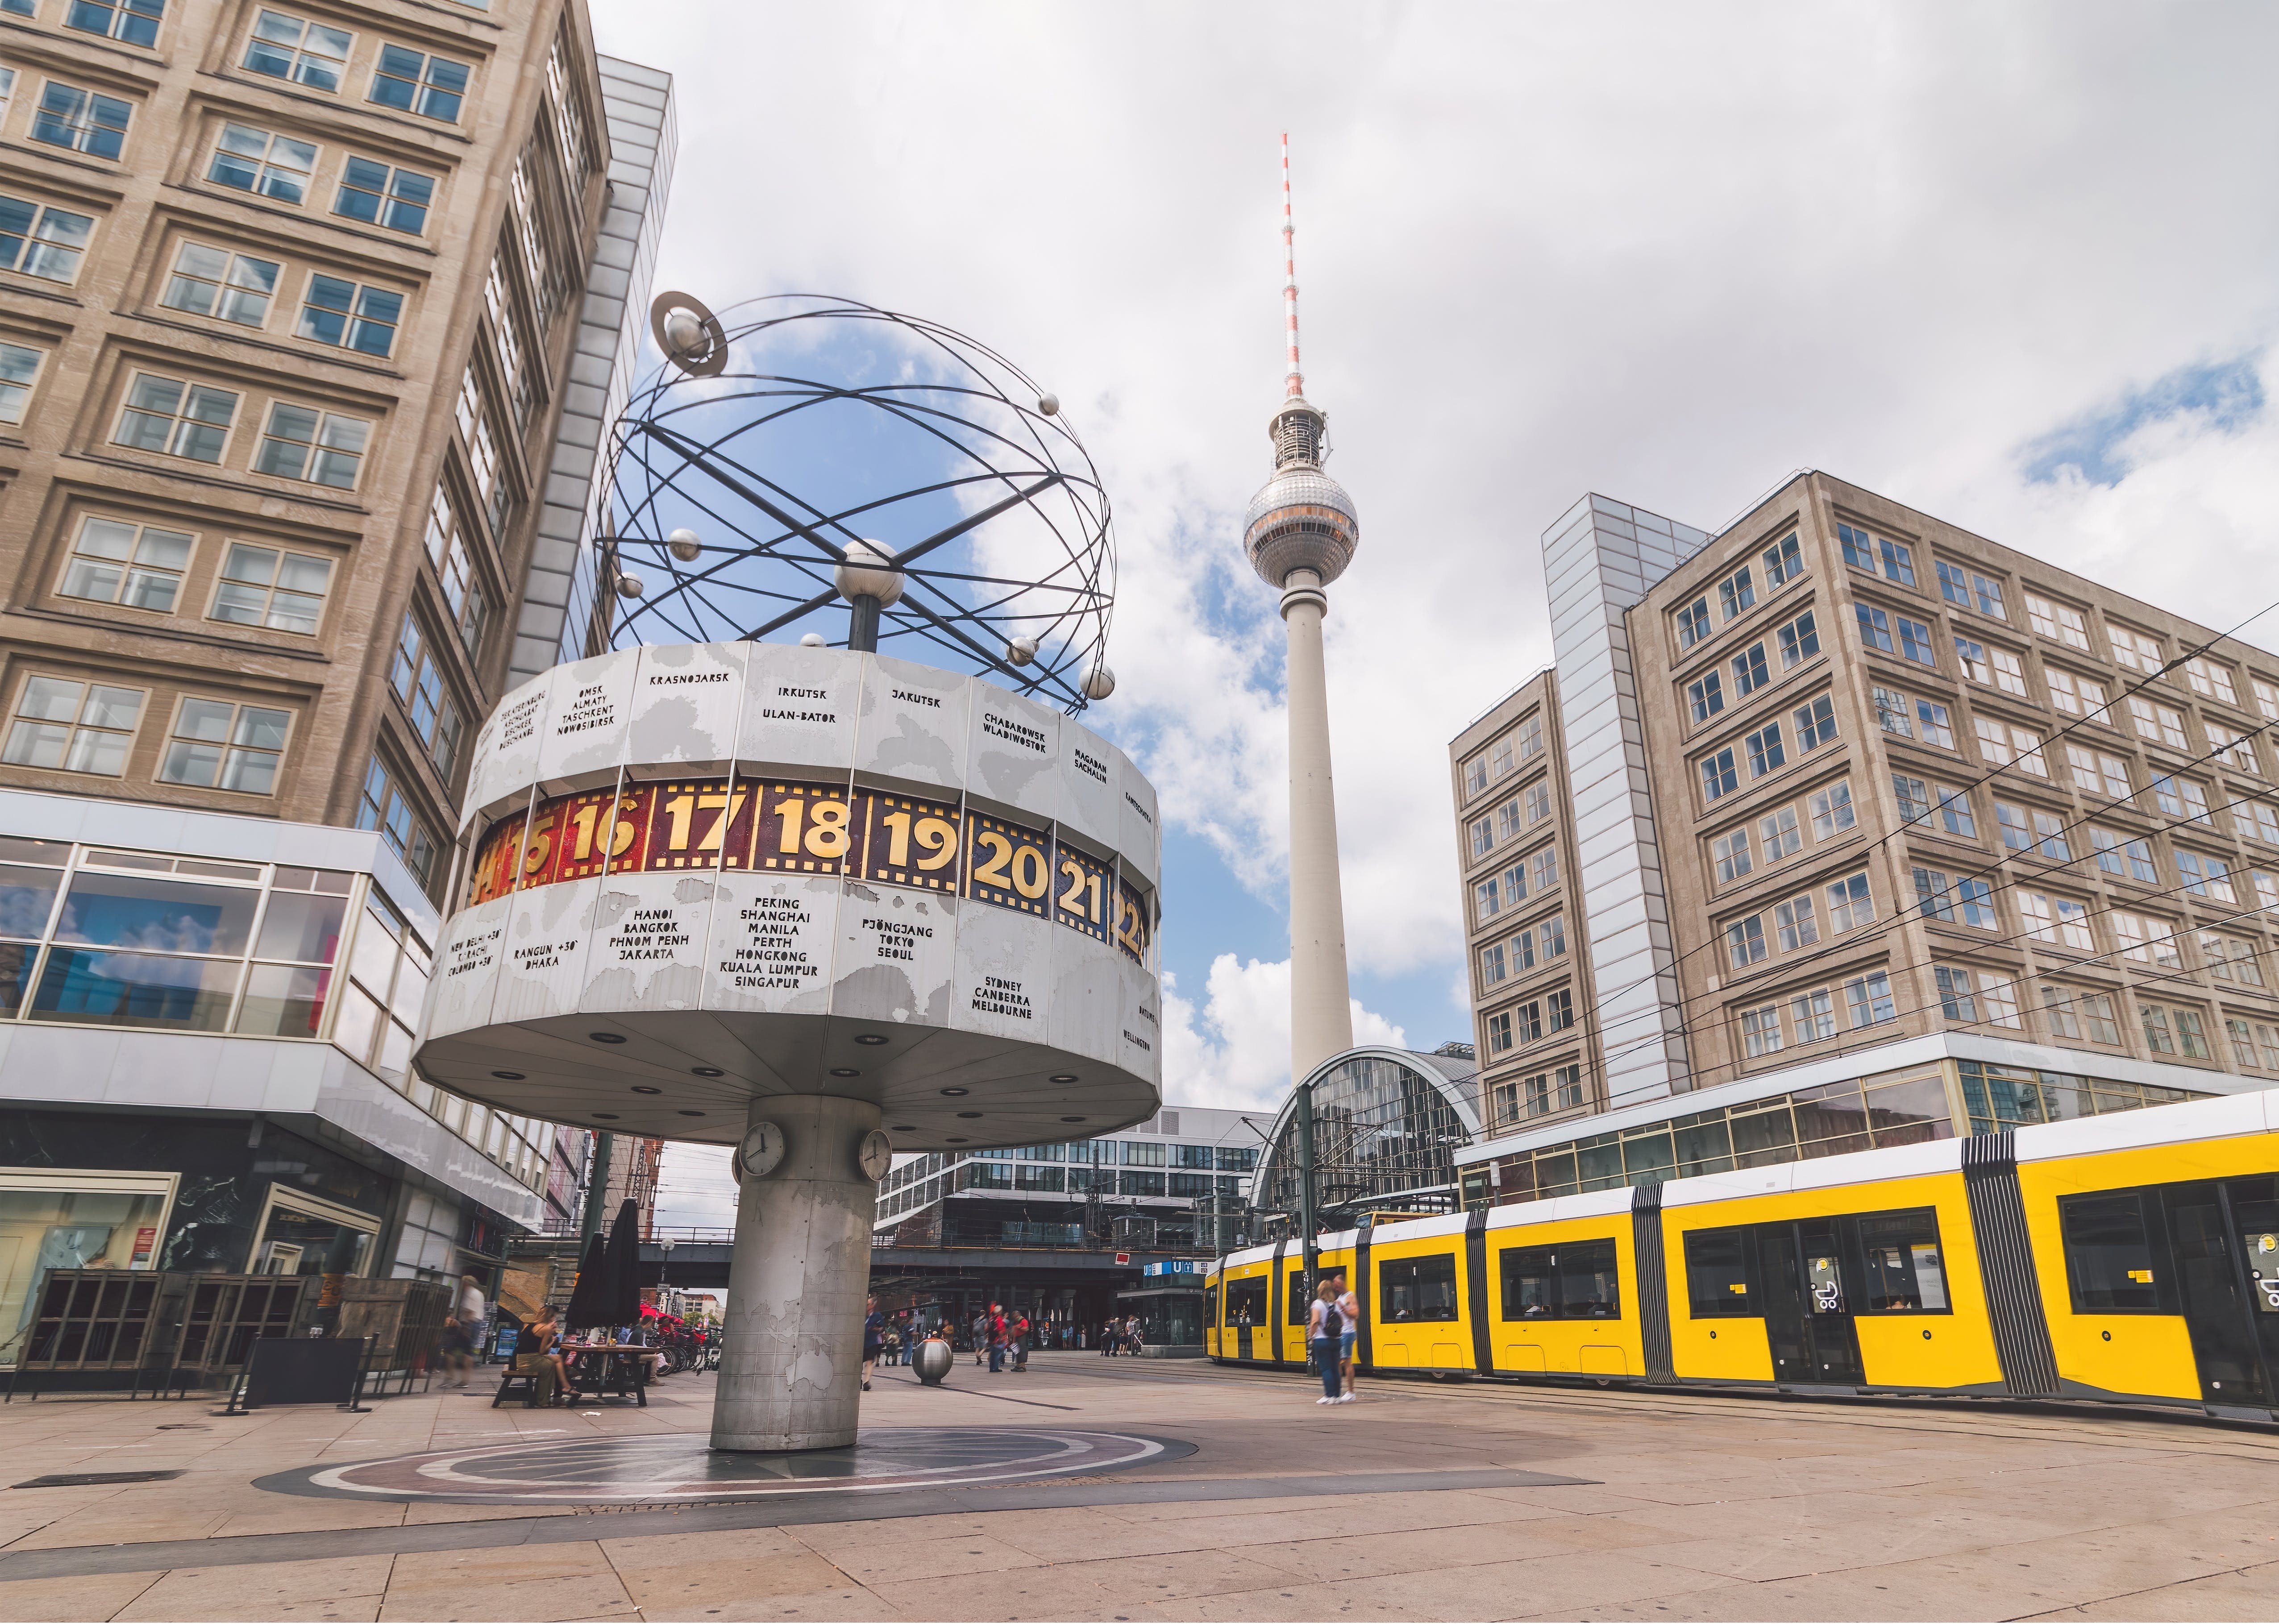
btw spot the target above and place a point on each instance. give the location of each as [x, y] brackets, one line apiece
[1131, 1489]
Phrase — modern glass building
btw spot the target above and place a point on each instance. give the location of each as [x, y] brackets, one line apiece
[1387, 1126]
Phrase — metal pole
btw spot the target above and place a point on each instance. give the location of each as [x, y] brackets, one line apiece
[863, 623]
[1307, 1222]
[597, 1187]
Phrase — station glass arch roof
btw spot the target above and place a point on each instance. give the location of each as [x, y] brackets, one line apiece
[1386, 1122]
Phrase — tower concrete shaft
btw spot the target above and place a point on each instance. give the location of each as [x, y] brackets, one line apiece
[1321, 1006]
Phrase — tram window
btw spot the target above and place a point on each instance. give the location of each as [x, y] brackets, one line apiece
[1905, 1271]
[2110, 1257]
[1529, 1292]
[1296, 1299]
[1587, 1290]
[1416, 1288]
[1717, 1274]
[1245, 1301]
[1574, 1281]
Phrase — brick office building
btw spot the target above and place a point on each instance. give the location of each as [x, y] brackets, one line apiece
[310, 318]
[1867, 830]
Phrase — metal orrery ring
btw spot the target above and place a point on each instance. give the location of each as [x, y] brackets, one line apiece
[732, 509]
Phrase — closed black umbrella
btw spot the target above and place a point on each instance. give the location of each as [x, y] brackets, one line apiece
[623, 1304]
[589, 1299]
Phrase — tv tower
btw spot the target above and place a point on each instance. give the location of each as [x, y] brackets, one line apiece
[1300, 532]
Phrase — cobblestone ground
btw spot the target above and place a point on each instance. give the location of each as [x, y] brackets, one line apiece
[1419, 1501]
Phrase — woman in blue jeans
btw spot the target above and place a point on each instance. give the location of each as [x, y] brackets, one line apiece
[1324, 1331]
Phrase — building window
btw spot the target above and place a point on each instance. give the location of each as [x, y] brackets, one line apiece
[1761, 1031]
[1552, 933]
[356, 317]
[1955, 1001]
[48, 243]
[323, 447]
[175, 419]
[19, 369]
[2158, 1037]
[232, 287]
[2050, 836]
[1706, 697]
[217, 745]
[379, 196]
[2146, 940]
[1864, 552]
[383, 807]
[1972, 656]
[2205, 876]
[2057, 622]
[1891, 713]
[1934, 898]
[1869, 999]
[1735, 593]
[2235, 748]
[1832, 811]
[2057, 1008]
[409, 81]
[74, 727]
[80, 121]
[2009, 673]
[1492, 965]
[1779, 835]
[1544, 867]
[1875, 626]
[1499, 1033]
[307, 53]
[1954, 812]
[2266, 697]
[1795, 920]
[1693, 623]
[1936, 728]
[1558, 1011]
[1745, 943]
[134, 21]
[1782, 562]
[1816, 725]
[1765, 752]
[2209, 679]
[1731, 852]
[1487, 899]
[2011, 821]
[1531, 739]
[1915, 642]
[276, 590]
[1811, 1016]
[2133, 651]
[138, 566]
[1476, 770]
[1718, 778]
[1914, 797]
[1483, 837]
[1539, 801]
[1749, 673]
[1799, 640]
[267, 165]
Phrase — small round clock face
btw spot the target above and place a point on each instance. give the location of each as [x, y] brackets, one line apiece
[876, 1155]
[762, 1148]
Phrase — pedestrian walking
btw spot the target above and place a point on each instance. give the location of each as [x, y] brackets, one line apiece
[1349, 1311]
[460, 1336]
[996, 1339]
[980, 1334]
[1022, 1332]
[874, 1336]
[1325, 1332]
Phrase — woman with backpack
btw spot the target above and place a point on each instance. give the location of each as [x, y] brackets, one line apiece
[1325, 1332]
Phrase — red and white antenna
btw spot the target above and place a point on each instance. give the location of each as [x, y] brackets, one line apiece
[1296, 380]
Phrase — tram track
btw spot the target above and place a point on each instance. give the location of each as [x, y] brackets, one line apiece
[2021, 1421]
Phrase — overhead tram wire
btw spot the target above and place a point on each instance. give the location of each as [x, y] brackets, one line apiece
[1985, 778]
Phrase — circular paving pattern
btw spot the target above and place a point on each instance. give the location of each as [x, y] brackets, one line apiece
[670, 1467]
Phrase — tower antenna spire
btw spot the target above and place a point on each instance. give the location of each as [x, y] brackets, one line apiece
[1296, 380]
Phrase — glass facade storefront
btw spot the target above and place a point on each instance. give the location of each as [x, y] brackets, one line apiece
[97, 936]
[95, 1219]
[1873, 1113]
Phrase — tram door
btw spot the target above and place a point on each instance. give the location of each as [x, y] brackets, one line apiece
[1807, 1304]
[2216, 1282]
[2255, 1220]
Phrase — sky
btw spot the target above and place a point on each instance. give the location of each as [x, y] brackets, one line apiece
[2017, 266]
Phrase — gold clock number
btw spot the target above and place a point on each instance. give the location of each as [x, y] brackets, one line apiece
[993, 872]
[733, 804]
[582, 821]
[826, 836]
[898, 842]
[791, 808]
[1030, 877]
[621, 839]
[1098, 915]
[535, 857]
[938, 838]
[680, 810]
[1073, 898]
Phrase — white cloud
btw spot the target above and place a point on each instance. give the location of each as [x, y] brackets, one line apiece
[1235, 1052]
[1668, 254]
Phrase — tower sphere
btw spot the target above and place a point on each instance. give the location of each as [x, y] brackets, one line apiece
[1301, 518]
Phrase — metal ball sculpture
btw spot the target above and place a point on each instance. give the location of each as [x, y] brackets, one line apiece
[748, 497]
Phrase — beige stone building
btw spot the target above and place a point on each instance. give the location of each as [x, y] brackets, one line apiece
[311, 316]
[1912, 835]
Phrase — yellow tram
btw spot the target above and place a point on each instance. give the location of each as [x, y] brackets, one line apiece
[2132, 1257]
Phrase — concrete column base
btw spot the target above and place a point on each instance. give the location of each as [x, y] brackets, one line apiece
[791, 1358]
